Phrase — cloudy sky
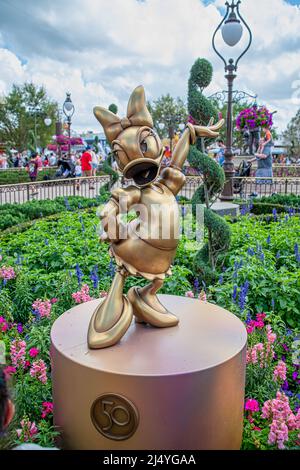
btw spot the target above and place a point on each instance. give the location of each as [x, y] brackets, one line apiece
[99, 50]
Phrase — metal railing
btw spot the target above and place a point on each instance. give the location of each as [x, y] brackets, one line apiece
[90, 186]
[22, 192]
[246, 187]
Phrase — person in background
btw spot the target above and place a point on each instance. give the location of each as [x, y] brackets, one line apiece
[78, 171]
[86, 166]
[264, 159]
[95, 162]
[46, 161]
[246, 140]
[52, 159]
[32, 168]
[166, 157]
[39, 162]
[16, 160]
[3, 162]
[221, 153]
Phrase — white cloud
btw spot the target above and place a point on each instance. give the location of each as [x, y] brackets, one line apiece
[100, 50]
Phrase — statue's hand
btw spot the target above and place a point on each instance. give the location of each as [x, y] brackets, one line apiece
[210, 130]
[109, 222]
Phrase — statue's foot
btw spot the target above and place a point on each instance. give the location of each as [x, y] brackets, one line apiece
[148, 309]
[102, 334]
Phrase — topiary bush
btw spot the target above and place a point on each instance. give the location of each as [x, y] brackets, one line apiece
[202, 110]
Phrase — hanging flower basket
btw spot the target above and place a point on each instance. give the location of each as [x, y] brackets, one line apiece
[253, 117]
[64, 140]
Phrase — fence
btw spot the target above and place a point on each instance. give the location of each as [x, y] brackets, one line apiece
[19, 193]
[90, 187]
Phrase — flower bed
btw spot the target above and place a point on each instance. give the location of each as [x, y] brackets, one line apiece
[57, 262]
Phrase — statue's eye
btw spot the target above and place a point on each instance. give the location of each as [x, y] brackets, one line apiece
[144, 146]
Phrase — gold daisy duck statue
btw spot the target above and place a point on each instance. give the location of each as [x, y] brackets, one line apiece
[147, 249]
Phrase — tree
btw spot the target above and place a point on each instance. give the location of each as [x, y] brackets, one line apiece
[22, 114]
[202, 110]
[291, 136]
[170, 112]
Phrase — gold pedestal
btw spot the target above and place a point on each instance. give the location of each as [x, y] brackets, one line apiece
[174, 388]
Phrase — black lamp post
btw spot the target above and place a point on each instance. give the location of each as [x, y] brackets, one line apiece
[69, 109]
[232, 31]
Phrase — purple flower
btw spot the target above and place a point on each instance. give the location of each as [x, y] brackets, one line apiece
[79, 274]
[20, 328]
[111, 268]
[94, 277]
[295, 375]
[285, 385]
[234, 293]
[249, 318]
[243, 295]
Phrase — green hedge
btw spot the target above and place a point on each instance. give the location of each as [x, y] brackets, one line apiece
[14, 214]
[21, 175]
[266, 204]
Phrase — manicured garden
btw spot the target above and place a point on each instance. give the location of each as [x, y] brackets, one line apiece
[52, 260]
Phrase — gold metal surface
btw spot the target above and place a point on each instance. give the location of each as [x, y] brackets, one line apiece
[187, 382]
[114, 416]
[149, 245]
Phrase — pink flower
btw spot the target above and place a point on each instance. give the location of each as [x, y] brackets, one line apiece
[271, 336]
[54, 300]
[47, 409]
[7, 273]
[279, 373]
[9, 371]
[33, 352]
[42, 307]
[28, 430]
[102, 294]
[82, 295]
[39, 370]
[17, 352]
[3, 325]
[190, 294]
[282, 419]
[252, 405]
[260, 316]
